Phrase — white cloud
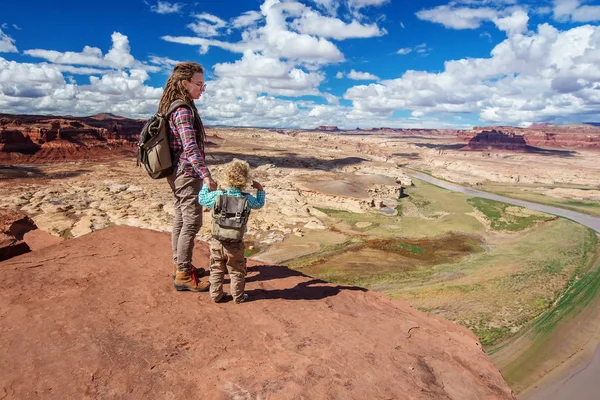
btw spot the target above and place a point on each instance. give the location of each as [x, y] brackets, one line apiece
[586, 14]
[315, 24]
[207, 25]
[119, 55]
[42, 88]
[514, 23]
[257, 74]
[404, 51]
[339, 75]
[247, 18]
[274, 39]
[7, 44]
[362, 76]
[165, 63]
[16, 27]
[365, 3]
[164, 7]
[544, 76]
[564, 8]
[458, 17]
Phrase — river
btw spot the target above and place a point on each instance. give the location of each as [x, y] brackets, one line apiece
[583, 219]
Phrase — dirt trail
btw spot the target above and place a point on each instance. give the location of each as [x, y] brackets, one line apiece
[97, 317]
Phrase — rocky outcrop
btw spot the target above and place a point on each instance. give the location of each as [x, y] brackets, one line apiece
[540, 136]
[19, 235]
[494, 139]
[327, 128]
[99, 318]
[34, 138]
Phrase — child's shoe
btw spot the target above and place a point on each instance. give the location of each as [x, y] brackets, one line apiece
[243, 299]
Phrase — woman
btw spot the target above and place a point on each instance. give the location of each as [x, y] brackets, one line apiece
[186, 83]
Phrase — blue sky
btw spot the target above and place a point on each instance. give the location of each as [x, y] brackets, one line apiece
[304, 63]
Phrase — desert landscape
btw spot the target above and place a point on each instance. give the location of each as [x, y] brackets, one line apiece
[344, 209]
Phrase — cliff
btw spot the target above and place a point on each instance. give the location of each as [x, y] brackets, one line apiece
[35, 138]
[97, 317]
[580, 136]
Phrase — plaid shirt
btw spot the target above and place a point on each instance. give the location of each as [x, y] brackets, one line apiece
[187, 143]
[207, 199]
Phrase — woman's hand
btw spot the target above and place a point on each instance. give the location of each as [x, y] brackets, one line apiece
[212, 185]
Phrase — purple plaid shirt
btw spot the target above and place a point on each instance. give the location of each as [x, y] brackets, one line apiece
[187, 143]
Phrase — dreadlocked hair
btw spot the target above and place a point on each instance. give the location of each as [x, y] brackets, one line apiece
[174, 89]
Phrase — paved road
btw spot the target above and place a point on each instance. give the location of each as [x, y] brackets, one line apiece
[584, 219]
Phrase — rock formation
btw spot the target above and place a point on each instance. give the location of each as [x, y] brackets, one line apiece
[34, 138]
[580, 136]
[97, 317]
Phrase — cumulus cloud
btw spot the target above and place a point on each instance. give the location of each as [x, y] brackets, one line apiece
[119, 55]
[7, 44]
[247, 18]
[207, 25]
[42, 88]
[315, 24]
[364, 3]
[547, 75]
[458, 17]
[289, 30]
[164, 7]
[565, 10]
[339, 75]
[362, 76]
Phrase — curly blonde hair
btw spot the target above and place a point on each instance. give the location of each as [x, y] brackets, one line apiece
[174, 89]
[237, 174]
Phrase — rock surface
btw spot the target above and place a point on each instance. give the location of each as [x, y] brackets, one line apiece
[97, 317]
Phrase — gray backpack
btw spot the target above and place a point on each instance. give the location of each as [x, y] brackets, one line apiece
[230, 217]
[154, 146]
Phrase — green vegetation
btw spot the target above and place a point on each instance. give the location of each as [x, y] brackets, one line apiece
[524, 192]
[432, 255]
[501, 219]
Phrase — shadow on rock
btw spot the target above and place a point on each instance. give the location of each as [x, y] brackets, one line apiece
[288, 160]
[30, 171]
[313, 289]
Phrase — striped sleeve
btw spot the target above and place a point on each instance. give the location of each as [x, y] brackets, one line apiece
[258, 201]
[184, 123]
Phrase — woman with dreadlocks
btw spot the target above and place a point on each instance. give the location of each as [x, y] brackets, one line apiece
[186, 84]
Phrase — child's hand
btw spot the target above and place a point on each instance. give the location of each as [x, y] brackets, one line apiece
[257, 185]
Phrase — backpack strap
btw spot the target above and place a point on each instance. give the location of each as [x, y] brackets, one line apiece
[174, 105]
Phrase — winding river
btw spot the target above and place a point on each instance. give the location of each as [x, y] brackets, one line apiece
[584, 219]
[580, 381]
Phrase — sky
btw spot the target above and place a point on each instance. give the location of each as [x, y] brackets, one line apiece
[306, 63]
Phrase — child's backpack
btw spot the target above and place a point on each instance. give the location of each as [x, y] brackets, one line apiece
[230, 217]
[154, 146]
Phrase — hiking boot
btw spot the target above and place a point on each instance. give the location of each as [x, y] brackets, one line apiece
[188, 281]
[199, 271]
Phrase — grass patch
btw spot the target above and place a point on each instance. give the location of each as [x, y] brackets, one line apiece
[500, 219]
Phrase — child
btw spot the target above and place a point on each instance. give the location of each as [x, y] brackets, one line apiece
[228, 256]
